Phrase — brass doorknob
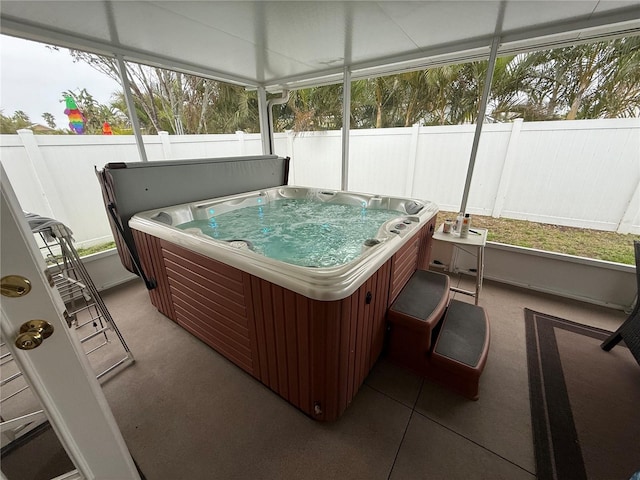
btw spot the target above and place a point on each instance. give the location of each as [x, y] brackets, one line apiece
[33, 333]
[14, 286]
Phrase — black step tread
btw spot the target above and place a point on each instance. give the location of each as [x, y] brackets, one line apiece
[463, 333]
[422, 294]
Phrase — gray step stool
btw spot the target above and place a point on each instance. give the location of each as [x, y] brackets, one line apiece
[412, 318]
[461, 349]
[445, 341]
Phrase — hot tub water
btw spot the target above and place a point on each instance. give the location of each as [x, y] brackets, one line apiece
[299, 231]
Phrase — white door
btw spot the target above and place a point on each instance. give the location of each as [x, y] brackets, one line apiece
[57, 371]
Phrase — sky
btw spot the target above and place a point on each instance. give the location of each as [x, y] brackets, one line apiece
[33, 77]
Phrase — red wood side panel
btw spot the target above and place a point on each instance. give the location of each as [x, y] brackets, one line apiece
[201, 326]
[371, 323]
[359, 333]
[149, 251]
[166, 293]
[257, 354]
[367, 328]
[352, 387]
[332, 385]
[379, 318]
[346, 356]
[144, 244]
[280, 335]
[233, 313]
[424, 255]
[283, 324]
[404, 263]
[209, 301]
[182, 295]
[213, 269]
[303, 314]
[291, 340]
[318, 332]
[264, 304]
[314, 354]
[412, 256]
[229, 292]
[254, 313]
[317, 353]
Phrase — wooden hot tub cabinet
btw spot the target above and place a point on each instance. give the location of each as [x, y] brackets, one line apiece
[314, 354]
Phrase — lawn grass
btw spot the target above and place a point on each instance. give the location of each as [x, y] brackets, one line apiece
[83, 252]
[609, 246]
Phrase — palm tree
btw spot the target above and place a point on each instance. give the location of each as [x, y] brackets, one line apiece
[50, 119]
[584, 81]
[616, 85]
[12, 124]
[309, 109]
[596, 80]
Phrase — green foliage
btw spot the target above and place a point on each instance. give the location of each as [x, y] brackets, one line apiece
[594, 80]
[582, 242]
[83, 252]
[309, 109]
[96, 113]
[177, 103]
[50, 119]
[12, 124]
[597, 80]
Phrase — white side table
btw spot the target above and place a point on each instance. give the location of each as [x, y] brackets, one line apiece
[474, 245]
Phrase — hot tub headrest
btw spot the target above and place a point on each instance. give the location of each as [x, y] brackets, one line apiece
[129, 188]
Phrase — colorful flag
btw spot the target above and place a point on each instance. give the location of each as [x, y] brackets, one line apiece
[76, 118]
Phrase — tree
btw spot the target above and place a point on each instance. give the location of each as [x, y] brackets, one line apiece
[50, 119]
[12, 124]
[594, 80]
[598, 80]
[311, 109]
[21, 119]
[96, 113]
[180, 103]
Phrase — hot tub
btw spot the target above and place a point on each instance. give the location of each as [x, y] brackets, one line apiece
[308, 326]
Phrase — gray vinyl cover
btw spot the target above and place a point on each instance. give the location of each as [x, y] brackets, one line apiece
[140, 186]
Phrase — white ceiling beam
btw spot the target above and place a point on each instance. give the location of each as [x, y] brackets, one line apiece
[616, 19]
[586, 28]
[598, 27]
[371, 68]
[62, 38]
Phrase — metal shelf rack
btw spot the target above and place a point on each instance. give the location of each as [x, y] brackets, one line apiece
[85, 311]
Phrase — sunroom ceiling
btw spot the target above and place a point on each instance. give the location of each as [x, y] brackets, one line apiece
[279, 44]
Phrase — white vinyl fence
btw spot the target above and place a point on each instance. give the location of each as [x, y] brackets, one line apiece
[574, 173]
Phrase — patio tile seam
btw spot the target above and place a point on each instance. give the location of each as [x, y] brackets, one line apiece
[393, 398]
[475, 443]
[413, 410]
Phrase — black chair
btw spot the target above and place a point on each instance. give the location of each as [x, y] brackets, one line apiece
[629, 331]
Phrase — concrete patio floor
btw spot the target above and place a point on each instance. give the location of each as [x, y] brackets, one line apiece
[188, 413]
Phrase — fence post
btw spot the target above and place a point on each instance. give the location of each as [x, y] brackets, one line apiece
[507, 169]
[240, 137]
[42, 177]
[626, 221]
[292, 165]
[413, 156]
[166, 145]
